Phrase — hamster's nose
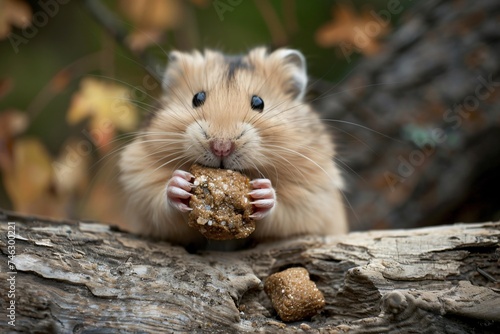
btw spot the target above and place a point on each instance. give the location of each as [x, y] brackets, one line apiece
[222, 147]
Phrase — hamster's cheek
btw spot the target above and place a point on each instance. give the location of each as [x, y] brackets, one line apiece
[196, 137]
[249, 139]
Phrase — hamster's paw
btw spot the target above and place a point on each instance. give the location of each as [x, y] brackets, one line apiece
[264, 198]
[178, 190]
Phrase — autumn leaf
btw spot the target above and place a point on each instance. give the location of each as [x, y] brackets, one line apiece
[13, 13]
[107, 106]
[349, 29]
[150, 19]
[12, 123]
[30, 175]
[37, 184]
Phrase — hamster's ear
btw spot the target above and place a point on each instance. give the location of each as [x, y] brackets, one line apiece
[172, 69]
[174, 56]
[294, 65]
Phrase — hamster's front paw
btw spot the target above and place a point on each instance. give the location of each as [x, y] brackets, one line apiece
[264, 198]
[178, 190]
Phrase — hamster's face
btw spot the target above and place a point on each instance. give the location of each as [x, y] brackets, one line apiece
[239, 113]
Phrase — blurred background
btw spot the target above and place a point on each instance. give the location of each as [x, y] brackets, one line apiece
[77, 77]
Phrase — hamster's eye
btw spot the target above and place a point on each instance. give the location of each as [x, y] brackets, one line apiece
[257, 103]
[199, 99]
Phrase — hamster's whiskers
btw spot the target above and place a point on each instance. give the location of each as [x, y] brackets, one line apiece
[282, 163]
[360, 126]
[131, 137]
[288, 150]
[171, 161]
[132, 87]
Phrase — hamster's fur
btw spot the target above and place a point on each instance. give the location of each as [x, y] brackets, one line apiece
[285, 143]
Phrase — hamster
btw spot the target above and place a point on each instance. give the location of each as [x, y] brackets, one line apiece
[245, 113]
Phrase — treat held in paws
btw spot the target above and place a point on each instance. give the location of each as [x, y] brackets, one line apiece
[293, 295]
[220, 202]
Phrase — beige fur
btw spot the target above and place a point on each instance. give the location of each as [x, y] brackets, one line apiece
[286, 143]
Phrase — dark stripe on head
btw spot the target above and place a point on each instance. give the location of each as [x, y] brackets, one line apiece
[235, 63]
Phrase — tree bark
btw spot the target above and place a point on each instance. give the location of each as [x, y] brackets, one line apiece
[75, 277]
[431, 99]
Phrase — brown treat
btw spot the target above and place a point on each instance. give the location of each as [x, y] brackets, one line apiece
[293, 295]
[221, 205]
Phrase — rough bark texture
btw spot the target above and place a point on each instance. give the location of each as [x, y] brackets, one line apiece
[75, 277]
[435, 91]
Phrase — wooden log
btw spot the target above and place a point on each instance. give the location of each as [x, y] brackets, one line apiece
[76, 277]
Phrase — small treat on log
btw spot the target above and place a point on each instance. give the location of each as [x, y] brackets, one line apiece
[220, 202]
[293, 295]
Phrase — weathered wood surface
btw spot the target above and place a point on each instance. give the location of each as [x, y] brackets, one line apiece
[75, 277]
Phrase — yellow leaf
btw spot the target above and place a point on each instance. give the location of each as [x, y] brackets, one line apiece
[38, 185]
[158, 14]
[138, 40]
[108, 107]
[150, 19]
[31, 175]
[359, 31]
[13, 13]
